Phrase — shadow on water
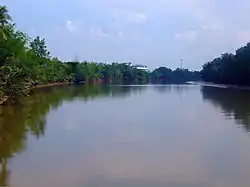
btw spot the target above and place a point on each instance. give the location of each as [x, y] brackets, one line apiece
[172, 88]
[234, 103]
[17, 122]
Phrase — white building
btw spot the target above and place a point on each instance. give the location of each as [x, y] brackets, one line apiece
[137, 66]
[140, 67]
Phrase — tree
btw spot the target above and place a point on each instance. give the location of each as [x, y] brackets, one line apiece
[39, 47]
[229, 68]
[5, 20]
[165, 75]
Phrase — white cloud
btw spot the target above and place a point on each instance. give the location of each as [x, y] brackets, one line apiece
[70, 26]
[212, 28]
[139, 17]
[129, 17]
[188, 36]
[99, 32]
[197, 24]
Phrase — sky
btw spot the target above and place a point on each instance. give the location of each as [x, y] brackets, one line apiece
[149, 32]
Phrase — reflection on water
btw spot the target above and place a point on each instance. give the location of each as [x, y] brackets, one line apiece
[178, 88]
[15, 122]
[126, 136]
[234, 103]
[30, 117]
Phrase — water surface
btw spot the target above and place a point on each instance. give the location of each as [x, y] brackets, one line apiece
[127, 136]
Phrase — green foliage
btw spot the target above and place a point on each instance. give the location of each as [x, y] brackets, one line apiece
[14, 81]
[229, 68]
[38, 46]
[105, 73]
[5, 18]
[165, 75]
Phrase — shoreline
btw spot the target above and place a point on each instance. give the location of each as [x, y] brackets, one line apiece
[210, 84]
[4, 99]
[50, 85]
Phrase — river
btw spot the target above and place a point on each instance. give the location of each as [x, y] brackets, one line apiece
[127, 136]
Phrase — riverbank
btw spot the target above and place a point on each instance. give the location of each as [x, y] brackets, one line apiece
[210, 84]
[52, 84]
[5, 99]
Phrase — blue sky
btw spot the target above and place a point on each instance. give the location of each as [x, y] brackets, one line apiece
[151, 32]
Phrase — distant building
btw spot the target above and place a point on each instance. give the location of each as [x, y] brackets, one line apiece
[140, 67]
[137, 66]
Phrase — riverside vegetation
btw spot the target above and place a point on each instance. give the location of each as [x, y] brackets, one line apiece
[230, 69]
[26, 62]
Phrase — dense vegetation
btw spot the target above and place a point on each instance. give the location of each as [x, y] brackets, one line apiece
[231, 69]
[165, 75]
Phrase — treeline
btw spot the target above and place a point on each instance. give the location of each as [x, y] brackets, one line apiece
[233, 69]
[26, 62]
[165, 75]
[115, 73]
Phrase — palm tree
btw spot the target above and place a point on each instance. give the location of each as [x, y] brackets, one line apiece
[5, 19]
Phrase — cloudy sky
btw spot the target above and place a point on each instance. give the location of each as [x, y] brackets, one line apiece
[150, 32]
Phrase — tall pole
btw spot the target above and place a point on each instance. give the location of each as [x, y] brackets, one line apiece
[181, 63]
[76, 59]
